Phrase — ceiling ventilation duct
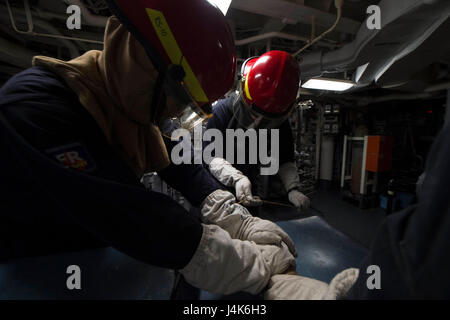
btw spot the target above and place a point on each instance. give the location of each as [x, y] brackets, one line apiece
[406, 26]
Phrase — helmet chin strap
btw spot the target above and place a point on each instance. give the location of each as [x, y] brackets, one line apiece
[236, 106]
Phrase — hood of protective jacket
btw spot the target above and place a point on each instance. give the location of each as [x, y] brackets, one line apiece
[116, 85]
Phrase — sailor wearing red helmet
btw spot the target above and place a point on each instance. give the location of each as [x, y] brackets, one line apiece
[76, 137]
[267, 94]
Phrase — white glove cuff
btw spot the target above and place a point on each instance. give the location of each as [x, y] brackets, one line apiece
[218, 197]
[289, 176]
[224, 171]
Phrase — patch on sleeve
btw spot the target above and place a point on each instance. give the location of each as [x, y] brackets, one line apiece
[73, 156]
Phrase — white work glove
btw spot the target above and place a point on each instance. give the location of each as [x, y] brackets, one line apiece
[244, 194]
[220, 208]
[228, 175]
[294, 287]
[223, 265]
[298, 199]
[289, 176]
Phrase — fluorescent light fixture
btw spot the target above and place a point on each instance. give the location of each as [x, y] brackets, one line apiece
[328, 84]
[223, 5]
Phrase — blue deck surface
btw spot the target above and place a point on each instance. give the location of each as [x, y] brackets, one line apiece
[322, 250]
[109, 274]
[105, 274]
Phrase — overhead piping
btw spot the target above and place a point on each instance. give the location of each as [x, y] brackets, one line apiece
[73, 49]
[339, 4]
[31, 26]
[273, 34]
[402, 24]
[294, 12]
[438, 87]
[269, 35]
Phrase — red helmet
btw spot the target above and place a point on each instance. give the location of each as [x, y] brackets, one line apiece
[189, 41]
[270, 83]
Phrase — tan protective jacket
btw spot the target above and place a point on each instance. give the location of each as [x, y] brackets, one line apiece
[115, 85]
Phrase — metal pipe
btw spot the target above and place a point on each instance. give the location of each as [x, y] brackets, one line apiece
[344, 159]
[74, 52]
[270, 35]
[438, 87]
[275, 34]
[49, 15]
[363, 182]
[338, 4]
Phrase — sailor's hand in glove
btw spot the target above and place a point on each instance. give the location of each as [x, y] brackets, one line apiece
[294, 287]
[220, 208]
[223, 265]
[228, 175]
[244, 195]
[264, 232]
[298, 199]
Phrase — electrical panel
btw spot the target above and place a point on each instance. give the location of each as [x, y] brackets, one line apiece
[304, 124]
